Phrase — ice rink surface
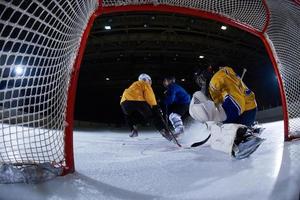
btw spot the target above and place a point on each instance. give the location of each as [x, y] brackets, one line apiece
[110, 165]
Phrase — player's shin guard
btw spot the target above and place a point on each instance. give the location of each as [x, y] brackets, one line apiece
[176, 123]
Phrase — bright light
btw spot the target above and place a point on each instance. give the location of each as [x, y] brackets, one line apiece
[107, 78]
[183, 79]
[224, 28]
[201, 57]
[107, 27]
[19, 70]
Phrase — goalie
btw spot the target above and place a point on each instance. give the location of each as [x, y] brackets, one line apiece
[232, 111]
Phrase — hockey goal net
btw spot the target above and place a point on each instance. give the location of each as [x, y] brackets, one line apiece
[41, 46]
[39, 43]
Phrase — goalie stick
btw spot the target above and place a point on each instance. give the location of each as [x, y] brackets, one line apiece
[197, 144]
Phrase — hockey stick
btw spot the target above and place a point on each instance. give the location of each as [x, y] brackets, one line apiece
[166, 115]
[169, 130]
[197, 144]
[244, 72]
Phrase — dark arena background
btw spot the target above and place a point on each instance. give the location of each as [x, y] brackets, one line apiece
[164, 44]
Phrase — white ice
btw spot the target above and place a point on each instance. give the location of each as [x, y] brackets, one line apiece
[110, 165]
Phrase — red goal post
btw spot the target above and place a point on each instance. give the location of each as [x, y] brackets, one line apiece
[254, 17]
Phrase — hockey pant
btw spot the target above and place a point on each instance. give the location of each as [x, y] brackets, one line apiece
[233, 113]
[130, 108]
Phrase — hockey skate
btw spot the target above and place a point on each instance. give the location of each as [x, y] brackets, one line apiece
[169, 136]
[134, 132]
[166, 134]
[245, 143]
[257, 131]
[179, 133]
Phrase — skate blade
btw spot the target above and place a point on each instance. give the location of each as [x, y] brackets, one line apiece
[250, 151]
[175, 141]
[171, 138]
[261, 130]
[133, 136]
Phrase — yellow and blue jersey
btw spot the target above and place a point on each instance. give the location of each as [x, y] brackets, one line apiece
[227, 84]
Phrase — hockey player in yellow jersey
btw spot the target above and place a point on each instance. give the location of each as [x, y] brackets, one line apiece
[140, 98]
[140, 91]
[234, 101]
[237, 100]
[230, 106]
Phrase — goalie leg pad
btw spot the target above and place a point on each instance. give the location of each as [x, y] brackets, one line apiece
[223, 136]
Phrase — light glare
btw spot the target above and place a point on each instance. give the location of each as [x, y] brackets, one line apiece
[224, 28]
[19, 70]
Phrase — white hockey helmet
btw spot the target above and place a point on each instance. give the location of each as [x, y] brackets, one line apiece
[145, 77]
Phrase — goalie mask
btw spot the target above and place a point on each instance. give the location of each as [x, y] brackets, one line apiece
[203, 77]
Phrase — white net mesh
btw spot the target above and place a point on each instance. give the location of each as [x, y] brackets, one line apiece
[39, 41]
[283, 31]
[249, 12]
